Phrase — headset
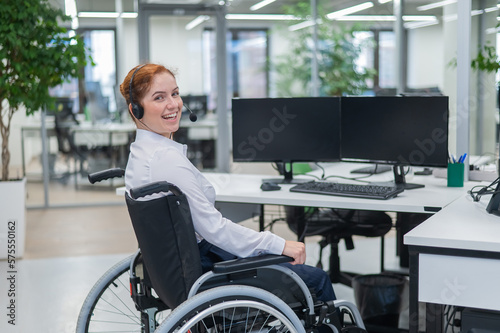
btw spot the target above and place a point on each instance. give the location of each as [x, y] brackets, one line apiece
[138, 110]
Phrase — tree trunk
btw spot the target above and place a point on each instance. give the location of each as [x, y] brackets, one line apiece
[5, 131]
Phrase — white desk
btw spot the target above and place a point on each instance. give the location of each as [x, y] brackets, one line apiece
[455, 260]
[245, 189]
[99, 135]
[33, 130]
[203, 129]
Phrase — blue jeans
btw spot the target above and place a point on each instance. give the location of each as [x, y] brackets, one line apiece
[315, 278]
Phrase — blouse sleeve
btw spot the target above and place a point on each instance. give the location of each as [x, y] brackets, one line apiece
[169, 164]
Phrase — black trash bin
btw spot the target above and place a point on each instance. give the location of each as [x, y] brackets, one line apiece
[379, 298]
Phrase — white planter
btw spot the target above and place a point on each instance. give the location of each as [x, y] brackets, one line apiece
[12, 219]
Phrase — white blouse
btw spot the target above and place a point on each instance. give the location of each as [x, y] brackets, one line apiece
[156, 158]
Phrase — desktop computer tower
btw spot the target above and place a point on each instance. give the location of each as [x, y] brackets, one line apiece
[480, 321]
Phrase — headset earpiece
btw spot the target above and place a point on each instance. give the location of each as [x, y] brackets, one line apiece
[137, 109]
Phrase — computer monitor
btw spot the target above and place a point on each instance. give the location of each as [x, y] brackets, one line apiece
[61, 104]
[196, 103]
[286, 130]
[396, 130]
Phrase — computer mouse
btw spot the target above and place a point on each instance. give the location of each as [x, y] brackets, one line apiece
[269, 186]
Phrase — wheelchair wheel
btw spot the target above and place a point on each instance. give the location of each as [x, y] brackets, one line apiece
[233, 308]
[109, 306]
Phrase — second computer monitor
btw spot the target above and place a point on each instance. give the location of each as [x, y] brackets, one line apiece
[410, 130]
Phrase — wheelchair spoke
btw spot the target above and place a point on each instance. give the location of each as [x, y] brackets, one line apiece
[133, 318]
[131, 313]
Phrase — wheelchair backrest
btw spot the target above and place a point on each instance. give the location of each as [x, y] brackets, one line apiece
[166, 237]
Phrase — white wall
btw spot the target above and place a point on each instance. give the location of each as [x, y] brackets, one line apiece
[177, 48]
[425, 57]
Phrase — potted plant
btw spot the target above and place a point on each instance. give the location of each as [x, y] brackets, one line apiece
[36, 53]
[336, 55]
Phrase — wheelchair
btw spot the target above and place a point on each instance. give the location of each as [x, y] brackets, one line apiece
[161, 288]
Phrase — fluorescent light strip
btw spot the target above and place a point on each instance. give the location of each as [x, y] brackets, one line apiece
[261, 4]
[421, 24]
[383, 1]
[197, 21]
[273, 17]
[436, 5]
[303, 25]
[349, 10]
[453, 17]
[387, 18]
[106, 15]
[427, 18]
[129, 15]
[367, 18]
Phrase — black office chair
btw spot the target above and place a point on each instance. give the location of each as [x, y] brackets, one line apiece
[64, 120]
[334, 225]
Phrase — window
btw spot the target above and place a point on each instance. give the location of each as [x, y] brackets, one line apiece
[247, 63]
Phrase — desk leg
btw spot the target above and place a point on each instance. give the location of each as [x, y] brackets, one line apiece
[413, 315]
[434, 318]
[404, 223]
[261, 218]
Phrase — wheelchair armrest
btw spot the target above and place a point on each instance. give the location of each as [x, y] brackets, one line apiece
[105, 174]
[240, 264]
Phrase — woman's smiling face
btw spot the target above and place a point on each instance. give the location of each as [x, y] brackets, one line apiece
[162, 105]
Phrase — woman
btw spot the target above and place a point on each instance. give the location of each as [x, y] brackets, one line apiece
[155, 105]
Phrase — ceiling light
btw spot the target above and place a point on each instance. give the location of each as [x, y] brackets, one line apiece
[303, 25]
[261, 4]
[383, 1]
[382, 18]
[197, 21]
[349, 10]
[106, 15]
[128, 15]
[428, 18]
[273, 17]
[367, 18]
[453, 17]
[436, 5]
[98, 14]
[421, 24]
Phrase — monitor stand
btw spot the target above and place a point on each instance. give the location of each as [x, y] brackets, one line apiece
[400, 180]
[287, 177]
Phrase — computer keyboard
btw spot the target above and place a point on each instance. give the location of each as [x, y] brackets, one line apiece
[367, 191]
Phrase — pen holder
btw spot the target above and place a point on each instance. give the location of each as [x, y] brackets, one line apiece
[455, 174]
